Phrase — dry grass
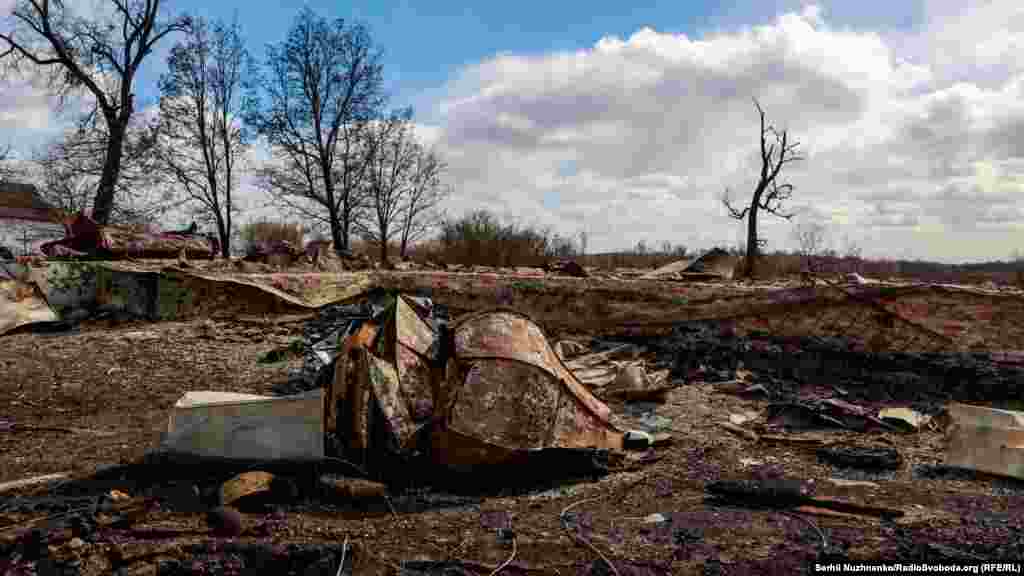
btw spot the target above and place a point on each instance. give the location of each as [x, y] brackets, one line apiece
[266, 231]
[481, 239]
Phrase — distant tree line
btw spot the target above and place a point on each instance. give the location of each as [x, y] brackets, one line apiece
[339, 159]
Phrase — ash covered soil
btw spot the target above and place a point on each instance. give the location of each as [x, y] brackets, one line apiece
[93, 402]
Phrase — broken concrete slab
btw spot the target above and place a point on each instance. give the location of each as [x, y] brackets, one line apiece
[905, 418]
[668, 271]
[22, 303]
[983, 417]
[986, 440]
[247, 426]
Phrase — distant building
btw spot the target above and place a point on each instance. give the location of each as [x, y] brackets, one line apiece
[25, 219]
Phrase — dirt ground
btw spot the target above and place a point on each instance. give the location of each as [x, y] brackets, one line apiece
[93, 402]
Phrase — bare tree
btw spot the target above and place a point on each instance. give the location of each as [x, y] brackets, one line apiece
[324, 85]
[100, 54]
[768, 194]
[200, 139]
[60, 183]
[392, 159]
[810, 236]
[421, 212]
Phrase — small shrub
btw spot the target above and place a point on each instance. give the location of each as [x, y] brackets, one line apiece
[268, 232]
[528, 285]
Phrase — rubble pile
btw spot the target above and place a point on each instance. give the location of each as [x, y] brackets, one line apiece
[321, 336]
[84, 237]
[710, 347]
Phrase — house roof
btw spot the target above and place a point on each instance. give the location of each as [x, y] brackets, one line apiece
[22, 202]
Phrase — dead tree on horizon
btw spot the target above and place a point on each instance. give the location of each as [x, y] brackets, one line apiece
[768, 194]
[100, 54]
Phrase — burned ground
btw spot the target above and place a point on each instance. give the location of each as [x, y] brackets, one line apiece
[93, 402]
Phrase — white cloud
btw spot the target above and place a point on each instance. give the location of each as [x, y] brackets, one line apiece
[907, 141]
[26, 117]
[914, 139]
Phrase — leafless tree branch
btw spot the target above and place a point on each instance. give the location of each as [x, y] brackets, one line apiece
[323, 87]
[66, 171]
[199, 139]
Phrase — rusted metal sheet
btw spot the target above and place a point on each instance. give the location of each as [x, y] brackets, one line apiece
[348, 394]
[416, 382]
[511, 389]
[507, 403]
[414, 338]
[387, 392]
[509, 334]
[504, 392]
[413, 331]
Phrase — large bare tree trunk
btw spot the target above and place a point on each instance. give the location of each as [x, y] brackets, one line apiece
[224, 235]
[339, 231]
[103, 204]
[751, 263]
[344, 226]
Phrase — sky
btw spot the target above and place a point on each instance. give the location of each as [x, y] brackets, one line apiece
[628, 121]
